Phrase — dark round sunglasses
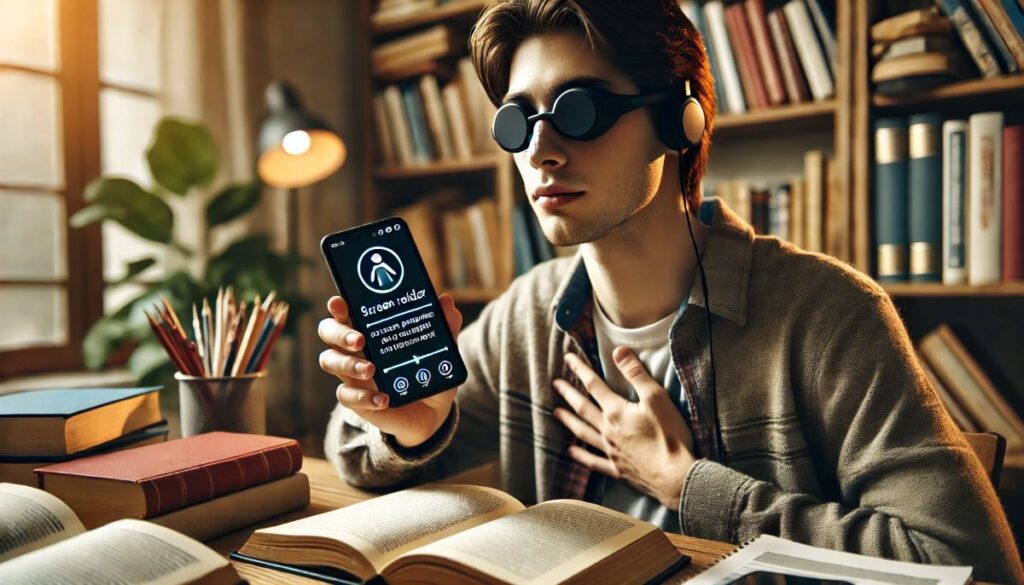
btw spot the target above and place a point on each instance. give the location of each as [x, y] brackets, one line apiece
[579, 113]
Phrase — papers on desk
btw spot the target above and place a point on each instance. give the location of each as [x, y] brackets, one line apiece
[772, 554]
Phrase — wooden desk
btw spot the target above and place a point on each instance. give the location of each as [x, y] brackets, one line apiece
[328, 492]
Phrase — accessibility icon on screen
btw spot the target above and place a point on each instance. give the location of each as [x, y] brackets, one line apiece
[380, 269]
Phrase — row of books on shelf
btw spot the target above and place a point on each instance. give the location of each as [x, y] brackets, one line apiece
[949, 199]
[767, 53]
[808, 211]
[970, 397]
[390, 12]
[104, 453]
[418, 121]
[952, 40]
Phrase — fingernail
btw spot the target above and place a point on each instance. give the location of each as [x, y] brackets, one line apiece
[363, 368]
[379, 399]
[352, 338]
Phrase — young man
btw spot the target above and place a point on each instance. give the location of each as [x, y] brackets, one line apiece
[593, 377]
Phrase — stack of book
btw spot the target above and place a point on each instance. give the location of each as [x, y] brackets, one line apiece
[949, 199]
[203, 486]
[43, 427]
[765, 53]
[916, 51]
[423, 120]
[809, 211]
[973, 401]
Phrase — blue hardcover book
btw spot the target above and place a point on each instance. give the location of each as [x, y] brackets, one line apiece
[925, 197]
[413, 104]
[67, 421]
[990, 31]
[890, 211]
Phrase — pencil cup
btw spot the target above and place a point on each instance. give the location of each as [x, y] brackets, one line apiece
[236, 403]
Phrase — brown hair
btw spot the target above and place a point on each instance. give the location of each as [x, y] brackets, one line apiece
[651, 41]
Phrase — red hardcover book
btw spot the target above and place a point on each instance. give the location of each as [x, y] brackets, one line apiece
[156, 479]
[1013, 203]
[769, 64]
[792, 71]
[743, 52]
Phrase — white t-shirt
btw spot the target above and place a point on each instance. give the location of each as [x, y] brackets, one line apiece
[651, 345]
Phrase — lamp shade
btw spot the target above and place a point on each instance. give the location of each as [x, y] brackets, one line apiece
[294, 147]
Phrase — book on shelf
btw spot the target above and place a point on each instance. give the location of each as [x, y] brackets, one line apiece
[825, 25]
[421, 217]
[972, 37]
[21, 469]
[890, 192]
[989, 29]
[398, 125]
[793, 76]
[440, 130]
[426, 46]
[692, 10]
[954, 187]
[924, 197]
[746, 58]
[1003, 16]
[67, 421]
[1013, 201]
[812, 56]
[984, 197]
[767, 61]
[422, 145]
[44, 539]
[153, 480]
[971, 387]
[714, 16]
[956, 412]
[815, 186]
[390, 13]
[457, 533]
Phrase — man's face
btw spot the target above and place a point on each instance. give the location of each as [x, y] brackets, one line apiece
[618, 173]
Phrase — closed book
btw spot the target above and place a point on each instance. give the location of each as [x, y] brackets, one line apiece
[767, 60]
[746, 56]
[693, 11]
[382, 132]
[920, 68]
[815, 173]
[825, 24]
[988, 28]
[954, 189]
[909, 23]
[455, 109]
[778, 212]
[398, 122]
[797, 207]
[890, 209]
[437, 121]
[984, 198]
[714, 16]
[483, 231]
[837, 214]
[792, 72]
[913, 45]
[480, 107]
[422, 145]
[70, 420]
[956, 412]
[156, 479]
[976, 44]
[924, 178]
[812, 56]
[1006, 29]
[973, 389]
[417, 48]
[1013, 203]
[759, 201]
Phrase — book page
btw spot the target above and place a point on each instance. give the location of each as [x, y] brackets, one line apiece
[552, 541]
[126, 551]
[31, 519]
[773, 554]
[386, 526]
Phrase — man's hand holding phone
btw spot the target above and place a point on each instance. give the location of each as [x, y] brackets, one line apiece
[411, 424]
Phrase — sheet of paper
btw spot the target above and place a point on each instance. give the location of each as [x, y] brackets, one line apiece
[770, 553]
[31, 519]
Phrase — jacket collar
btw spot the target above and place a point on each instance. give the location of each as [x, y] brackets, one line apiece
[727, 258]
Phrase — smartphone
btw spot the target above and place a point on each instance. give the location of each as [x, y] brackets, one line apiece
[379, 272]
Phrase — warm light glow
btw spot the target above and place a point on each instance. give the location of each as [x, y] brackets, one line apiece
[296, 142]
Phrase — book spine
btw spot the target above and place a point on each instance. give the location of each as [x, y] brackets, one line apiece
[746, 63]
[796, 213]
[1015, 12]
[925, 197]
[439, 127]
[891, 199]
[778, 212]
[814, 200]
[954, 185]
[984, 209]
[451, 95]
[385, 146]
[792, 74]
[399, 123]
[767, 60]
[178, 490]
[1007, 30]
[413, 103]
[693, 12]
[992, 33]
[971, 36]
[1013, 203]
[714, 15]
[826, 34]
[809, 50]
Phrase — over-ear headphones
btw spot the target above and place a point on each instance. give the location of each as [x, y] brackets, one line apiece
[680, 122]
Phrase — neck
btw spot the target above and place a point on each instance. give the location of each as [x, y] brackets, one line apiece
[642, 271]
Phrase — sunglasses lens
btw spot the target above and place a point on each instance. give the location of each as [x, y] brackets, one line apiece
[575, 113]
[509, 128]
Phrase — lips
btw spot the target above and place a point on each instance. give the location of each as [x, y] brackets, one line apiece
[555, 200]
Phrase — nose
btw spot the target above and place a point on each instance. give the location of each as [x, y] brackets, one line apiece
[546, 149]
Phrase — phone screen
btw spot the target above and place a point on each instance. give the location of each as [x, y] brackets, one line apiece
[379, 272]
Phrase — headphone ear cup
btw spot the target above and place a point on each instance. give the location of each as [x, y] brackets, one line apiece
[681, 123]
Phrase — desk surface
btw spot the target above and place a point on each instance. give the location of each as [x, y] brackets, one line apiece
[328, 492]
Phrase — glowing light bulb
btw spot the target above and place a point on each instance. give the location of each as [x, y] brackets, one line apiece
[296, 142]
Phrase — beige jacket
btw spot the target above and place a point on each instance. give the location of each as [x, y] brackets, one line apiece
[831, 434]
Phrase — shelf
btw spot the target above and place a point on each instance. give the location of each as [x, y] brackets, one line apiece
[1003, 92]
[788, 117]
[1006, 289]
[438, 168]
[473, 295]
[447, 12]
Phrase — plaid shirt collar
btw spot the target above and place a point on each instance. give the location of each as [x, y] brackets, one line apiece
[727, 259]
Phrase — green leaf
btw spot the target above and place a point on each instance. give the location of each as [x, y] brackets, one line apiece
[234, 201]
[130, 205]
[134, 269]
[182, 155]
[103, 339]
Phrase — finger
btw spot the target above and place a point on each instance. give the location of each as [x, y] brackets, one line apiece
[340, 364]
[361, 398]
[338, 309]
[579, 402]
[581, 429]
[593, 462]
[635, 373]
[339, 335]
[451, 313]
[593, 383]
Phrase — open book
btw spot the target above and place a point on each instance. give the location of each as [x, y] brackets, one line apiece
[457, 533]
[42, 541]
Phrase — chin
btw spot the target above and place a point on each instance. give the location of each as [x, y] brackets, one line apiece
[562, 231]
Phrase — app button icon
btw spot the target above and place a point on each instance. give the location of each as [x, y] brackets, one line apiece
[445, 368]
[423, 376]
[401, 385]
[380, 269]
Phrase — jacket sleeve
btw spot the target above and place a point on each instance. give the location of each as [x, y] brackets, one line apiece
[368, 458]
[909, 486]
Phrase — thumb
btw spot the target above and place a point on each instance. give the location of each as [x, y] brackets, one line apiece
[451, 313]
[635, 373]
